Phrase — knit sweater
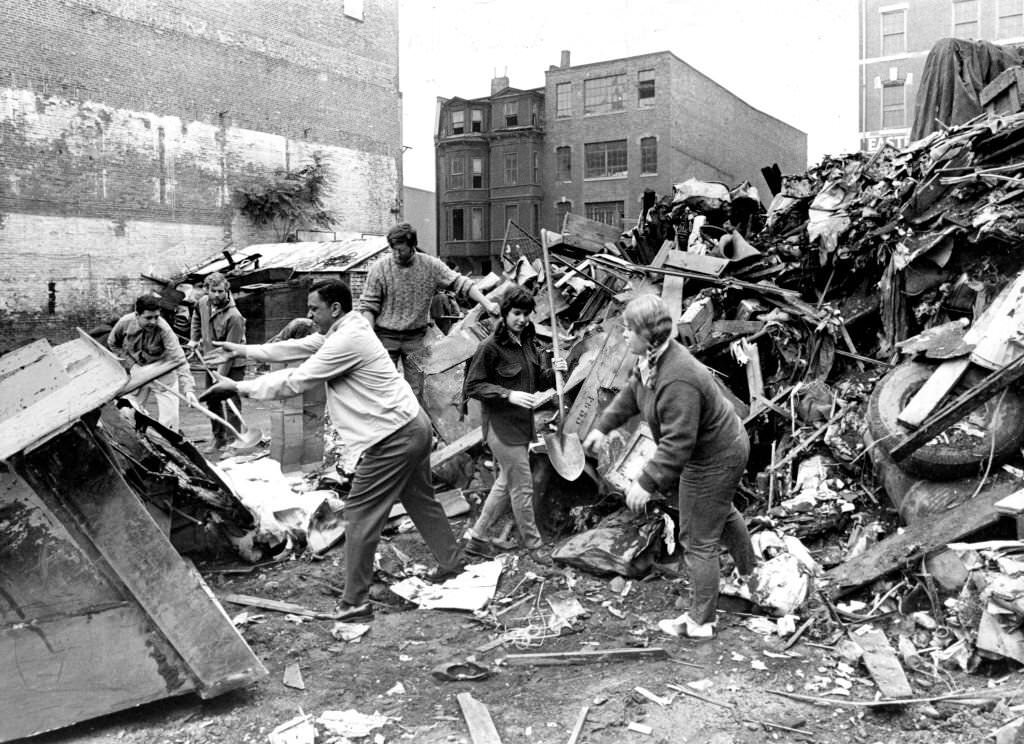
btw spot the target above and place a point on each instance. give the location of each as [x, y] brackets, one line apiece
[690, 416]
[399, 296]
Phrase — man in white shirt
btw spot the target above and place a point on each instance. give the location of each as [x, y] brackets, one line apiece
[387, 435]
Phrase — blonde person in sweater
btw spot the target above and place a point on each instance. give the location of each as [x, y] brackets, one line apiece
[396, 298]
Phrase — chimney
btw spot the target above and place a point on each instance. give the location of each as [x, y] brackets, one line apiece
[499, 84]
[565, 58]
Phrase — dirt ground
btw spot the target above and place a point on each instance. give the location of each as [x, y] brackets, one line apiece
[735, 673]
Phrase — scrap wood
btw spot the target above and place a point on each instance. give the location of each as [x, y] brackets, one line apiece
[882, 663]
[644, 692]
[578, 728]
[941, 381]
[273, 604]
[948, 415]
[478, 720]
[567, 658]
[919, 539]
[962, 696]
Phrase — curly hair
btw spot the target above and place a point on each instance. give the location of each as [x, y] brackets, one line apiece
[648, 317]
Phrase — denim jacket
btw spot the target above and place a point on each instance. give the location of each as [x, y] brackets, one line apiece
[500, 366]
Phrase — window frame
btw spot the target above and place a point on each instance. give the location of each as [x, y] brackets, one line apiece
[476, 223]
[976, 21]
[1001, 16]
[613, 92]
[536, 167]
[566, 111]
[511, 120]
[591, 211]
[884, 108]
[882, 35]
[604, 148]
[647, 101]
[476, 175]
[511, 166]
[456, 173]
[461, 213]
[563, 173]
[476, 120]
[645, 156]
[461, 113]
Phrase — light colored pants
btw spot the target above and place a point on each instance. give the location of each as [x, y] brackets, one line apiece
[166, 401]
[513, 487]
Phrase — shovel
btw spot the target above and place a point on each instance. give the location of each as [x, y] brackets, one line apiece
[248, 437]
[245, 439]
[564, 450]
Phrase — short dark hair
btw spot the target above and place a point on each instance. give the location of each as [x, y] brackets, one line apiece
[403, 232]
[334, 290]
[147, 302]
[518, 298]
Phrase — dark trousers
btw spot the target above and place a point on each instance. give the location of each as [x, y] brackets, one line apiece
[707, 517]
[400, 346]
[397, 468]
[221, 435]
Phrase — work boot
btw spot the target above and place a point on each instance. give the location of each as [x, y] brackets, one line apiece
[350, 613]
[479, 547]
[213, 447]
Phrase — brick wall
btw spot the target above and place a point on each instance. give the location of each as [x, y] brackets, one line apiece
[126, 126]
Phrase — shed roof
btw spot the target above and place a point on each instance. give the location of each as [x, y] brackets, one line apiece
[332, 257]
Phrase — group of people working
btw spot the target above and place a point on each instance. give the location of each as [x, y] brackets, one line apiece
[701, 452]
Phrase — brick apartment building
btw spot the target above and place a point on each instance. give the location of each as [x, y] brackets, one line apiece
[590, 141]
[895, 39]
[125, 127]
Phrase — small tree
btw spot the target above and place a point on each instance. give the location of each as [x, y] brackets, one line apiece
[289, 200]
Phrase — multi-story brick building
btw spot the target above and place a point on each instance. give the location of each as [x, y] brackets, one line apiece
[590, 141]
[895, 39]
[126, 127]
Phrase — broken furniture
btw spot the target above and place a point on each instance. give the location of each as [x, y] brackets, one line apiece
[99, 613]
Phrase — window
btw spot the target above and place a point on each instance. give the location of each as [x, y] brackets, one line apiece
[476, 223]
[457, 173]
[894, 106]
[604, 159]
[563, 100]
[563, 163]
[477, 121]
[894, 32]
[965, 19]
[511, 213]
[602, 95]
[562, 207]
[511, 168]
[648, 155]
[536, 219]
[458, 122]
[353, 9]
[457, 229]
[478, 172]
[536, 167]
[1011, 19]
[610, 213]
[512, 114]
[645, 88]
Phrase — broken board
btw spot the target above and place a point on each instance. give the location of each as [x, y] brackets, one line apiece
[710, 265]
[478, 720]
[943, 379]
[882, 663]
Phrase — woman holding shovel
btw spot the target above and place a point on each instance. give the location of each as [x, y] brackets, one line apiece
[702, 453]
[504, 375]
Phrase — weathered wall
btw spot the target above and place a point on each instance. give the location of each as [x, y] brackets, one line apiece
[126, 126]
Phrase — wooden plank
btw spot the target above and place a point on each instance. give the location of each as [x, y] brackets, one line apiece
[662, 255]
[73, 468]
[882, 663]
[452, 501]
[711, 266]
[577, 730]
[27, 375]
[570, 658]
[464, 443]
[94, 379]
[613, 354]
[943, 379]
[672, 294]
[264, 603]
[942, 419]
[69, 668]
[737, 327]
[755, 382]
[478, 720]
[590, 235]
[921, 539]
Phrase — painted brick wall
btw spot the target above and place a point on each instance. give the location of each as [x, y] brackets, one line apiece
[126, 126]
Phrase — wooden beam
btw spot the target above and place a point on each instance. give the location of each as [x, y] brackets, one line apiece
[943, 379]
[945, 417]
[569, 658]
[264, 603]
[478, 720]
[882, 663]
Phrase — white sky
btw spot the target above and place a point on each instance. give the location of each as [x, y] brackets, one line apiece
[793, 59]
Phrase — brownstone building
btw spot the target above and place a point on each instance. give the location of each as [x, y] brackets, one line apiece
[125, 128]
[590, 141]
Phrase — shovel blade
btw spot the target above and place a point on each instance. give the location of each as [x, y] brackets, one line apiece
[566, 454]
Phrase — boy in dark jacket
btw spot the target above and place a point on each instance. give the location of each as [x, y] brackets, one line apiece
[504, 375]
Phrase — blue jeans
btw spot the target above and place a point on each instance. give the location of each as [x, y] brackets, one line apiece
[707, 517]
[513, 487]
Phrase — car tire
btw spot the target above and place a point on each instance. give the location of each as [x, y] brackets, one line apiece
[1001, 418]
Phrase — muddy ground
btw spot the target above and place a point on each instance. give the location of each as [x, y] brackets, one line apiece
[735, 673]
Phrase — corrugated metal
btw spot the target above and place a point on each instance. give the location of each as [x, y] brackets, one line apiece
[335, 256]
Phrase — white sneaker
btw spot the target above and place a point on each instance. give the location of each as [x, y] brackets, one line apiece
[686, 627]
